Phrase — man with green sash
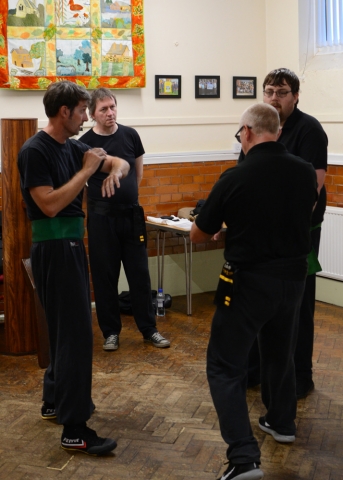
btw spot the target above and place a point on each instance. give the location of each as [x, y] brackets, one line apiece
[53, 172]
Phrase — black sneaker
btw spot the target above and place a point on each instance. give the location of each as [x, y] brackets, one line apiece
[111, 343]
[279, 437]
[48, 411]
[157, 340]
[242, 471]
[304, 386]
[85, 440]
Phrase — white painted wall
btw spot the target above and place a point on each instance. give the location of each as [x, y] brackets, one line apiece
[282, 43]
[225, 38]
[206, 269]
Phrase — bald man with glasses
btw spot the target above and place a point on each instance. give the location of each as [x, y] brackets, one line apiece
[260, 287]
[303, 136]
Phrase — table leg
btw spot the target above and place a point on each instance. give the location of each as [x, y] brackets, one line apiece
[162, 262]
[188, 274]
[189, 312]
[188, 266]
[160, 259]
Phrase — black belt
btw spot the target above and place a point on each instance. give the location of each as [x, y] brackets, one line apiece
[109, 209]
[294, 268]
[135, 211]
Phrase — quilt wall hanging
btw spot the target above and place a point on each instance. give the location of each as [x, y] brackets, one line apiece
[95, 43]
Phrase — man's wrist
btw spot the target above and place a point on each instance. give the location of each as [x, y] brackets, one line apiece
[116, 171]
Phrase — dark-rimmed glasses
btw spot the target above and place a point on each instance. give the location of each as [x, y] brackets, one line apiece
[279, 93]
[238, 134]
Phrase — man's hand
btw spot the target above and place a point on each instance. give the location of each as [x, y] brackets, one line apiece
[118, 169]
[92, 159]
[217, 236]
[111, 183]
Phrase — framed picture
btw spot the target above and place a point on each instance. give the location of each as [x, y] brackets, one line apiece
[94, 44]
[167, 86]
[244, 87]
[207, 86]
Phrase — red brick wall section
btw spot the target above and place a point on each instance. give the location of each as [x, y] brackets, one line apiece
[166, 188]
[334, 186]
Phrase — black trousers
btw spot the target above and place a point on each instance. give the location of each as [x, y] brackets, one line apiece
[304, 347]
[111, 240]
[268, 308]
[60, 271]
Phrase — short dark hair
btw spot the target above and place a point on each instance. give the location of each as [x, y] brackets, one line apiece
[100, 94]
[279, 76]
[61, 94]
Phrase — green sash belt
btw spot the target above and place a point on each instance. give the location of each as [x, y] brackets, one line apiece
[312, 259]
[57, 228]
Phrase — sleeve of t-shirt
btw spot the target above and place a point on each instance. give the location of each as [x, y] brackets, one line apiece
[210, 218]
[138, 146]
[82, 145]
[34, 169]
[313, 148]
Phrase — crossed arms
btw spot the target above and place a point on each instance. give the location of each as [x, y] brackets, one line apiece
[51, 201]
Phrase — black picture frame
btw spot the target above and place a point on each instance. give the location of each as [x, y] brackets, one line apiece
[207, 86]
[244, 87]
[167, 86]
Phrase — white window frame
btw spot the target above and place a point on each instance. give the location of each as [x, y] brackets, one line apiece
[320, 58]
[329, 26]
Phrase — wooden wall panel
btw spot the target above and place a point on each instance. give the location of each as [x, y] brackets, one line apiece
[19, 310]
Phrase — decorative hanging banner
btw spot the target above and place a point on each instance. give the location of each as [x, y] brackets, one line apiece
[94, 43]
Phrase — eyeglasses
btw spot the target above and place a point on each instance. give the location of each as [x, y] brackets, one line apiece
[278, 93]
[238, 134]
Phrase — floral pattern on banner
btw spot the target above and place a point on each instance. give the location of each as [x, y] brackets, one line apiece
[94, 43]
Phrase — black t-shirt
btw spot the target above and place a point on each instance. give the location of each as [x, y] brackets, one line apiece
[124, 143]
[304, 137]
[43, 161]
[266, 202]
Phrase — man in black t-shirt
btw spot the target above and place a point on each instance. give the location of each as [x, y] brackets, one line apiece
[266, 203]
[116, 229]
[302, 135]
[53, 172]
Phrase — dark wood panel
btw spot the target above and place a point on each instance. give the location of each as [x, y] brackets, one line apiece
[19, 309]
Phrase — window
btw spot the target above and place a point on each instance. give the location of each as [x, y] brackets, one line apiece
[329, 25]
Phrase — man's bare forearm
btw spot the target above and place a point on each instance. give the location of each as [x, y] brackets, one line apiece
[118, 169]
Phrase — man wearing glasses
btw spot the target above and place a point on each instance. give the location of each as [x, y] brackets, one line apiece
[266, 202]
[303, 136]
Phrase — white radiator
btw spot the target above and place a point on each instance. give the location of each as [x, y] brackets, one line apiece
[331, 244]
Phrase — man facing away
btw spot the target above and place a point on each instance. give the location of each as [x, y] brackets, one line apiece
[266, 203]
[53, 172]
[303, 136]
[116, 228]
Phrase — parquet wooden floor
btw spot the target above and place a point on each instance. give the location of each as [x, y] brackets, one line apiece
[156, 404]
